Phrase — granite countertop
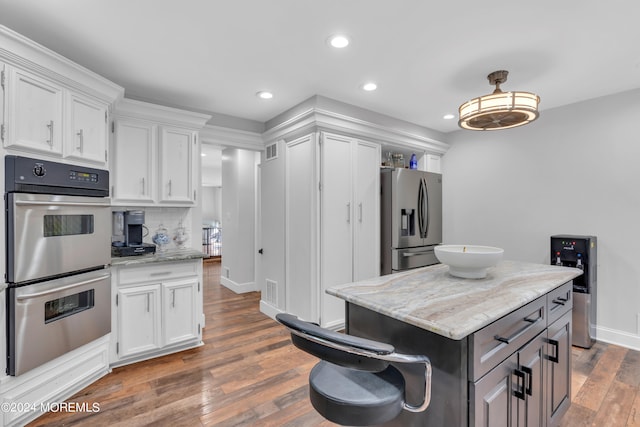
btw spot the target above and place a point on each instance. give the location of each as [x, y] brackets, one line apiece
[430, 298]
[168, 256]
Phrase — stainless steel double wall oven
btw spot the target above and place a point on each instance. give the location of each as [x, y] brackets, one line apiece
[58, 224]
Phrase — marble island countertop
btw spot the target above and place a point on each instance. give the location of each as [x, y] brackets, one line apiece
[168, 256]
[430, 298]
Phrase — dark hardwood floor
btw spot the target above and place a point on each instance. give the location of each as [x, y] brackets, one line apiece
[249, 374]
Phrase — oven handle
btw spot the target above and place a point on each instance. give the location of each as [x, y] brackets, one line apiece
[56, 203]
[64, 288]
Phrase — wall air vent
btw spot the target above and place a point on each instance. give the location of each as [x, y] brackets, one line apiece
[271, 151]
[271, 291]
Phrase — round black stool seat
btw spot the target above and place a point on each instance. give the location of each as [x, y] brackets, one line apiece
[358, 398]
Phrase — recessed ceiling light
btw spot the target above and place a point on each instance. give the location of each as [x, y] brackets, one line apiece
[448, 116]
[264, 94]
[203, 154]
[338, 41]
[369, 86]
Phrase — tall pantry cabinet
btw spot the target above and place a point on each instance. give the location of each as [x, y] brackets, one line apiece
[337, 217]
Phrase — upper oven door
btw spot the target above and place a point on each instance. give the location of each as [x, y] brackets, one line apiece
[52, 235]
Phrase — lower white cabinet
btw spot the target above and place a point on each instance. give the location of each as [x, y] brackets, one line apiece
[157, 310]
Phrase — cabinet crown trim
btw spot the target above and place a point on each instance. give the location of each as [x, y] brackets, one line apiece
[132, 108]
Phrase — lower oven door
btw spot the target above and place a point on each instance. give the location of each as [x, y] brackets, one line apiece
[49, 319]
[51, 235]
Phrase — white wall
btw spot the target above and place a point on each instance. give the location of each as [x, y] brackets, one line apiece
[238, 219]
[576, 171]
[211, 204]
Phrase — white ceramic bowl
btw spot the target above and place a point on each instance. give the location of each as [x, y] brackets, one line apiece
[468, 261]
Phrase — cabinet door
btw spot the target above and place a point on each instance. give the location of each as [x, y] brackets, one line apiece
[34, 111]
[138, 320]
[87, 134]
[133, 162]
[558, 361]
[336, 227]
[176, 165]
[179, 315]
[531, 403]
[490, 398]
[366, 250]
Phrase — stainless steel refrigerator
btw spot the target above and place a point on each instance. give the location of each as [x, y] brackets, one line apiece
[411, 218]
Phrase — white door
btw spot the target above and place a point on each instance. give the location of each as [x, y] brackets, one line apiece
[138, 320]
[366, 250]
[271, 250]
[337, 217]
[300, 233]
[35, 113]
[176, 165]
[87, 134]
[133, 165]
[179, 320]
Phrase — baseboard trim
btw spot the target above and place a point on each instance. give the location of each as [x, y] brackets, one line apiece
[238, 288]
[613, 336]
[269, 310]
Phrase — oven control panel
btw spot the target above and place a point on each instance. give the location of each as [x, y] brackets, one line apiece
[23, 174]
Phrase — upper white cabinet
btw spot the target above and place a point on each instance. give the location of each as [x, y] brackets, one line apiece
[52, 107]
[34, 112]
[86, 136]
[176, 165]
[134, 161]
[155, 155]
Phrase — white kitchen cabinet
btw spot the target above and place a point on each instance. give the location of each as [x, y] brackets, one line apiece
[33, 114]
[333, 221]
[157, 309]
[179, 311]
[155, 160]
[139, 317]
[133, 169]
[176, 165]
[87, 138]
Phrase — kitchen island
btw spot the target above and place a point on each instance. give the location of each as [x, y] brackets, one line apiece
[500, 347]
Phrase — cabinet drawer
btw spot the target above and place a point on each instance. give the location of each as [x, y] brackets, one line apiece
[156, 272]
[497, 341]
[559, 301]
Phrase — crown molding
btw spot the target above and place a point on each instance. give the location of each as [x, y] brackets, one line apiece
[319, 119]
[228, 137]
[159, 113]
[21, 52]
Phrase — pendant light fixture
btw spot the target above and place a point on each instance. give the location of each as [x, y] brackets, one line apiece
[499, 110]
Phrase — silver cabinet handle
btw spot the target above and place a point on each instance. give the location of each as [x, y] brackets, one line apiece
[81, 136]
[173, 298]
[349, 212]
[160, 273]
[143, 187]
[50, 140]
[360, 212]
[169, 188]
[148, 302]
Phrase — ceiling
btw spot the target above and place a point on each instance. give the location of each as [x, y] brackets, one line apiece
[427, 57]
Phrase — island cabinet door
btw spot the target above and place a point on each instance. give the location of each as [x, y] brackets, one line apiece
[529, 392]
[490, 398]
[558, 361]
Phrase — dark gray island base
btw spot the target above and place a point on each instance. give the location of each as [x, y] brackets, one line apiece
[500, 347]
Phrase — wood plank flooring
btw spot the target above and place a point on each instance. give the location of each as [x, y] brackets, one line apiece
[249, 374]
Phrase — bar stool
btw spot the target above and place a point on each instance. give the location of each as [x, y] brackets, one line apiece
[358, 381]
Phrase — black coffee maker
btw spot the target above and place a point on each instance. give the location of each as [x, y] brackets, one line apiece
[133, 230]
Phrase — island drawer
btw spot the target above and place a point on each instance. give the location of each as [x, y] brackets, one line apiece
[497, 341]
[559, 301]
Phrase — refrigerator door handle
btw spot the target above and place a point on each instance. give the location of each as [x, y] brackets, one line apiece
[420, 210]
[425, 215]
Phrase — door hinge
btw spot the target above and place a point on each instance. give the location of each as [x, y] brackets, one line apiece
[105, 117]
[117, 348]
[319, 186]
[2, 131]
[113, 127]
[116, 299]
[2, 79]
